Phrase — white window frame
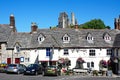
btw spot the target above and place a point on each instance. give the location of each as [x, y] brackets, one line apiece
[107, 37]
[90, 38]
[109, 52]
[40, 38]
[92, 52]
[17, 48]
[66, 38]
[66, 51]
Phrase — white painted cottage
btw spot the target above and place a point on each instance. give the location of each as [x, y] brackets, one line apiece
[47, 46]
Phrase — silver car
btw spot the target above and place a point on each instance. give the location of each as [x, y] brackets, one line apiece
[15, 68]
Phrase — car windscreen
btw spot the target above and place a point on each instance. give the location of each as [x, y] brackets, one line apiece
[32, 65]
[12, 65]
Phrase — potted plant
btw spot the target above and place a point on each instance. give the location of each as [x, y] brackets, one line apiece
[109, 71]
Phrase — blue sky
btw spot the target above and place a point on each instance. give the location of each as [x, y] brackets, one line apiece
[46, 12]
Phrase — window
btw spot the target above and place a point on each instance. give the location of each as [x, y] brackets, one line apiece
[17, 49]
[41, 38]
[48, 52]
[27, 59]
[66, 51]
[107, 37]
[109, 52]
[91, 52]
[22, 59]
[66, 38]
[88, 64]
[89, 38]
[92, 64]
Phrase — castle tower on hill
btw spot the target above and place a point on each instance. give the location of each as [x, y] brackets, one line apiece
[117, 23]
[63, 21]
[72, 19]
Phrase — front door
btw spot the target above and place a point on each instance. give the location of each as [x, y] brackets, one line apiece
[17, 60]
[8, 60]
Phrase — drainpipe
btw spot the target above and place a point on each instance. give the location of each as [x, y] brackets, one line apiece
[119, 62]
[12, 56]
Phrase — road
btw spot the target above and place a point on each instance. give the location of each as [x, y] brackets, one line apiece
[4, 76]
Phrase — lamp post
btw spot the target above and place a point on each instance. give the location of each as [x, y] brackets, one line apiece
[51, 54]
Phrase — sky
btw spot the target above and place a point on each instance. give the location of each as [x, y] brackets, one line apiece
[45, 13]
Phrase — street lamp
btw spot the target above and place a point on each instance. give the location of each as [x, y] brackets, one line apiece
[51, 54]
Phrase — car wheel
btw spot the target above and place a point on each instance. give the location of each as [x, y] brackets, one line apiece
[36, 73]
[18, 72]
[43, 73]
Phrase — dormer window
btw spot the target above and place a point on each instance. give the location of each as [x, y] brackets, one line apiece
[41, 38]
[17, 48]
[89, 38]
[66, 38]
[107, 37]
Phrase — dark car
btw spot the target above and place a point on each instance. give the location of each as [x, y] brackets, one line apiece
[15, 68]
[34, 69]
[50, 70]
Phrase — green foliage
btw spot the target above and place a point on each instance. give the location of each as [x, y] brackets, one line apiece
[95, 73]
[94, 24]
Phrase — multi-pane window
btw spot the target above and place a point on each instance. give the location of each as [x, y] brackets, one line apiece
[66, 38]
[92, 64]
[109, 52]
[107, 37]
[89, 38]
[91, 52]
[66, 51]
[18, 49]
[27, 59]
[88, 64]
[48, 51]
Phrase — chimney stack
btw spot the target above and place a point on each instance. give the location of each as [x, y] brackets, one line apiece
[33, 27]
[76, 27]
[117, 23]
[12, 22]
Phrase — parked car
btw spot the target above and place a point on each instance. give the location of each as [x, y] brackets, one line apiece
[50, 70]
[15, 68]
[34, 69]
[3, 67]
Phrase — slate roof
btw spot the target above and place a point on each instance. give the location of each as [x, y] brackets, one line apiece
[5, 32]
[24, 40]
[78, 37]
[54, 37]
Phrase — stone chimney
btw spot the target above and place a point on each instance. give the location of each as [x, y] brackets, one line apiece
[117, 23]
[33, 27]
[12, 22]
[76, 27]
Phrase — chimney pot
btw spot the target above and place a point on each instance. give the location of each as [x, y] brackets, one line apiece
[33, 27]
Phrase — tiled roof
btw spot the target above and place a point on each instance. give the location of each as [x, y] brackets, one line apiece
[54, 37]
[5, 32]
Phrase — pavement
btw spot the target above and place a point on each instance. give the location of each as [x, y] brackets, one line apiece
[114, 75]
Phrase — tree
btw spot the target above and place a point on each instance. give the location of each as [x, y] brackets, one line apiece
[94, 24]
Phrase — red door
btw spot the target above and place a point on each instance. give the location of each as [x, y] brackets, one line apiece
[17, 60]
[8, 60]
